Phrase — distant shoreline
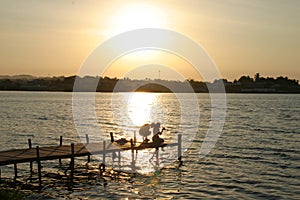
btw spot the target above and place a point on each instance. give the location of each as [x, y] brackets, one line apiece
[245, 85]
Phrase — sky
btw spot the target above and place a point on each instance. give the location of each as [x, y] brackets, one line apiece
[242, 37]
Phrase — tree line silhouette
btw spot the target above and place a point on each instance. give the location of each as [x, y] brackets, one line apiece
[245, 84]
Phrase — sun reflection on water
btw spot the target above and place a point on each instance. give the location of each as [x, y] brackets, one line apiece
[139, 107]
[130, 112]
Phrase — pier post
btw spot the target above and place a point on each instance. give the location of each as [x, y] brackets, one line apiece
[72, 165]
[112, 137]
[39, 165]
[131, 144]
[157, 157]
[179, 147]
[119, 159]
[132, 156]
[88, 158]
[29, 143]
[60, 144]
[87, 138]
[16, 171]
[87, 142]
[134, 137]
[104, 149]
[30, 146]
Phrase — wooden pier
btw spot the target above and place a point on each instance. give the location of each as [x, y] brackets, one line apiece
[72, 151]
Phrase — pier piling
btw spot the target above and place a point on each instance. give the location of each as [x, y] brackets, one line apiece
[119, 159]
[39, 165]
[72, 165]
[30, 146]
[179, 147]
[104, 149]
[87, 138]
[112, 137]
[131, 144]
[134, 137]
[60, 144]
[60, 140]
[87, 142]
[16, 171]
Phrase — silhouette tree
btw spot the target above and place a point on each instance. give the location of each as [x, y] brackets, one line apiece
[245, 79]
[257, 77]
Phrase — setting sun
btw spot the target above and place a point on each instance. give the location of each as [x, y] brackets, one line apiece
[135, 16]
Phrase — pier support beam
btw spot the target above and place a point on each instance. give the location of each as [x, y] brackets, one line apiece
[134, 137]
[131, 144]
[111, 137]
[30, 146]
[87, 142]
[102, 165]
[39, 165]
[179, 147]
[60, 144]
[132, 156]
[87, 138]
[104, 149]
[119, 159]
[16, 171]
[72, 165]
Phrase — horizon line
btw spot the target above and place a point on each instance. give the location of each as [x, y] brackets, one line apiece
[141, 79]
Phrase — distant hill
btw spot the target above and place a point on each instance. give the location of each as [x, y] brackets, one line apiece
[22, 76]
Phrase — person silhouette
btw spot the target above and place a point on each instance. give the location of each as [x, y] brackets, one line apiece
[156, 139]
[145, 132]
[156, 127]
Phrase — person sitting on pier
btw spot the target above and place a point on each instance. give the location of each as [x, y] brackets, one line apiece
[156, 139]
[145, 132]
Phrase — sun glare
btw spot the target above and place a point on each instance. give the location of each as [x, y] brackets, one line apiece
[135, 16]
[139, 107]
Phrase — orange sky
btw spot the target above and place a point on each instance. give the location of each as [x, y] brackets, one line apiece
[242, 37]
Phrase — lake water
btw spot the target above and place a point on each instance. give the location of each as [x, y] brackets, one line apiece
[256, 157]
